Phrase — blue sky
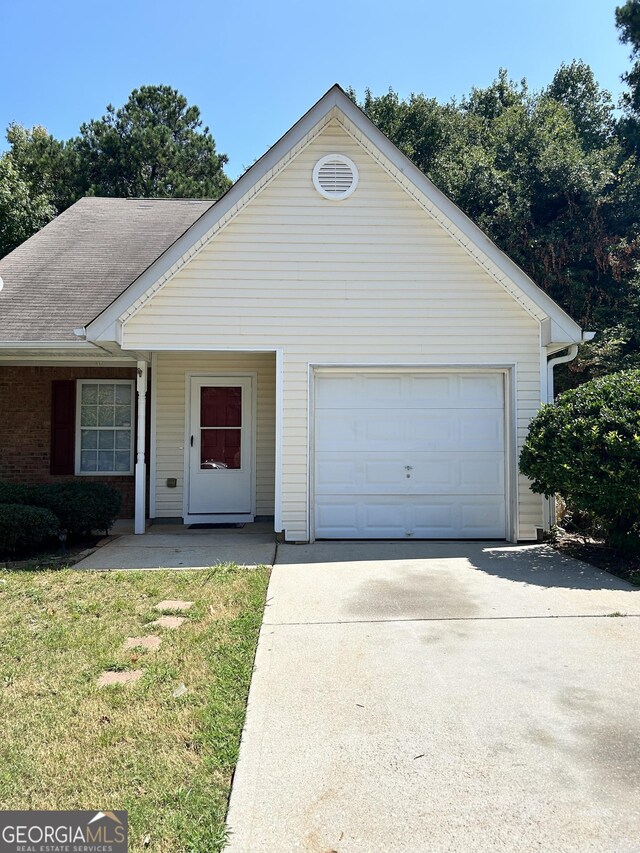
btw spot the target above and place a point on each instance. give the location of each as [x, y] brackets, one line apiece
[254, 68]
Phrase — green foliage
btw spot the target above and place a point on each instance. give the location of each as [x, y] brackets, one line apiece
[628, 24]
[155, 145]
[585, 447]
[24, 526]
[81, 507]
[22, 212]
[16, 493]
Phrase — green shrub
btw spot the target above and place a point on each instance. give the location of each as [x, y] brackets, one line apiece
[81, 506]
[16, 493]
[24, 526]
[585, 447]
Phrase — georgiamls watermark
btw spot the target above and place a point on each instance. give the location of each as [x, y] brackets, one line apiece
[63, 832]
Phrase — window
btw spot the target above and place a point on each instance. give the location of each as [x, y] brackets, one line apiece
[104, 430]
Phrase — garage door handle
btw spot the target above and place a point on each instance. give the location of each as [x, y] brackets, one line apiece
[408, 467]
[191, 441]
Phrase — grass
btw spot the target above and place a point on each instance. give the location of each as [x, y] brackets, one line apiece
[168, 761]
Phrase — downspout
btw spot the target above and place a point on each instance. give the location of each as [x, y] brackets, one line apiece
[549, 503]
[552, 362]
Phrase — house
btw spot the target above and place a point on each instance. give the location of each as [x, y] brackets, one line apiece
[333, 345]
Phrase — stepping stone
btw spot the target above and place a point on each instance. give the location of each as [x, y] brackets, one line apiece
[151, 643]
[173, 604]
[169, 621]
[109, 678]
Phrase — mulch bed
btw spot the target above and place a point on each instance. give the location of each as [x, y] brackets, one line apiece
[598, 554]
[48, 560]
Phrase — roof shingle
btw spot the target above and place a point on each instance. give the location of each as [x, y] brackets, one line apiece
[71, 270]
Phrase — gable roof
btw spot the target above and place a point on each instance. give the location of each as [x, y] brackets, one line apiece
[75, 267]
[101, 260]
[556, 325]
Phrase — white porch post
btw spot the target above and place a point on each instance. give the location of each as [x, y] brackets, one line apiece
[141, 465]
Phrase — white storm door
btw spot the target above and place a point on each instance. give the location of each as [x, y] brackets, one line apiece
[220, 445]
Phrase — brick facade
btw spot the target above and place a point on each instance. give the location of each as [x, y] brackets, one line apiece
[25, 425]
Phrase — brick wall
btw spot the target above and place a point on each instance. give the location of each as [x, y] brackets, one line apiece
[25, 425]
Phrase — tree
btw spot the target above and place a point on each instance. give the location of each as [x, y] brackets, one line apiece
[154, 145]
[585, 447]
[26, 197]
[628, 23]
[591, 107]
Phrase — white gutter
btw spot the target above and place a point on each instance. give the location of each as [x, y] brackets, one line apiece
[561, 359]
[46, 345]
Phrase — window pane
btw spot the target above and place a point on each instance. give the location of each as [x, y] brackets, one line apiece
[220, 448]
[123, 394]
[106, 394]
[88, 460]
[88, 415]
[105, 460]
[89, 395]
[89, 439]
[123, 439]
[123, 416]
[106, 439]
[105, 416]
[220, 407]
[123, 460]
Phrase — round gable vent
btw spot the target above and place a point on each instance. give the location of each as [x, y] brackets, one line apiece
[335, 176]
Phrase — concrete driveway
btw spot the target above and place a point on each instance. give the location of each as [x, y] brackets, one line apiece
[434, 697]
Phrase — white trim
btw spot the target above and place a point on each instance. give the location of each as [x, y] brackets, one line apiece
[68, 345]
[335, 103]
[103, 381]
[153, 454]
[277, 518]
[199, 518]
[141, 439]
[219, 518]
[510, 415]
[210, 348]
[512, 499]
[59, 361]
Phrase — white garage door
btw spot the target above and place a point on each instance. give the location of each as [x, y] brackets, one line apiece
[417, 455]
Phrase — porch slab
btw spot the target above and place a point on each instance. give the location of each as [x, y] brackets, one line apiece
[176, 547]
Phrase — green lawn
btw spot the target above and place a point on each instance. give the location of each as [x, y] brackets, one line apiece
[167, 761]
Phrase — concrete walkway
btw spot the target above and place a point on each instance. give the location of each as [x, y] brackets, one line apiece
[441, 697]
[166, 546]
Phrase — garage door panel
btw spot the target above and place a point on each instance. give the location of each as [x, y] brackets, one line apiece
[456, 390]
[413, 430]
[444, 473]
[410, 455]
[428, 517]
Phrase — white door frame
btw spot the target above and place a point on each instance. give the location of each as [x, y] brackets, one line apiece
[510, 422]
[190, 518]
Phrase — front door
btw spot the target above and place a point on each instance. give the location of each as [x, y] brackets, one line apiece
[221, 446]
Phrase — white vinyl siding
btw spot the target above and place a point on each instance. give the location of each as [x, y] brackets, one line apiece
[372, 280]
[172, 371]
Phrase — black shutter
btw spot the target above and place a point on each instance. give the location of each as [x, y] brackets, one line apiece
[63, 426]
